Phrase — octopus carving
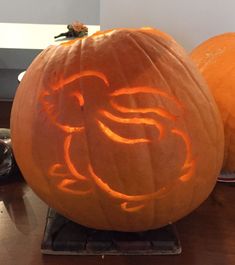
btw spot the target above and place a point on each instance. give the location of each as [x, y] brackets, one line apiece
[108, 121]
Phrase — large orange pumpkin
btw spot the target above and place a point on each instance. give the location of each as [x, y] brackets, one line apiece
[215, 60]
[117, 130]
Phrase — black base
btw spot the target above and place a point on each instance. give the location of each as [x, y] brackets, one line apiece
[64, 237]
[227, 177]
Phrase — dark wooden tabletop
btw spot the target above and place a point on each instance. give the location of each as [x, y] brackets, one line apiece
[207, 235]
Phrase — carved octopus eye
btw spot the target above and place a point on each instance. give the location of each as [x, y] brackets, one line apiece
[64, 107]
[64, 102]
[79, 97]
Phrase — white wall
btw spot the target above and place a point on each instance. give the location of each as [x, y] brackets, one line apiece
[50, 11]
[190, 22]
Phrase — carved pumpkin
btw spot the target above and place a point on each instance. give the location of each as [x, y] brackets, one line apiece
[117, 130]
[215, 60]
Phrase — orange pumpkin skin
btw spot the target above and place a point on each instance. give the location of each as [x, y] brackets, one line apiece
[117, 131]
[215, 60]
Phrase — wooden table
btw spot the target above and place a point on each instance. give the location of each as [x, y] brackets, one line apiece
[207, 235]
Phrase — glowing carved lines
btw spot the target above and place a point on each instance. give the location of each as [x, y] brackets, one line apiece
[71, 167]
[137, 121]
[191, 169]
[130, 203]
[189, 163]
[79, 98]
[67, 80]
[127, 205]
[58, 170]
[145, 90]
[127, 198]
[69, 129]
[49, 108]
[126, 208]
[117, 138]
[159, 111]
[64, 186]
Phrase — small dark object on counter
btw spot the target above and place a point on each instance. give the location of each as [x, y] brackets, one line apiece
[8, 166]
[75, 30]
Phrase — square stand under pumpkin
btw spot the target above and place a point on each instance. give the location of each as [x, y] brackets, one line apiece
[64, 237]
[227, 177]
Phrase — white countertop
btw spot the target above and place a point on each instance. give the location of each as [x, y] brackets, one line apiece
[33, 36]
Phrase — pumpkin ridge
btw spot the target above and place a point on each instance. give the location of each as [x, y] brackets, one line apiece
[152, 63]
[105, 212]
[153, 180]
[179, 60]
[48, 62]
[120, 70]
[193, 79]
[142, 50]
[38, 163]
[155, 67]
[186, 69]
[114, 53]
[171, 96]
[158, 70]
[195, 105]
